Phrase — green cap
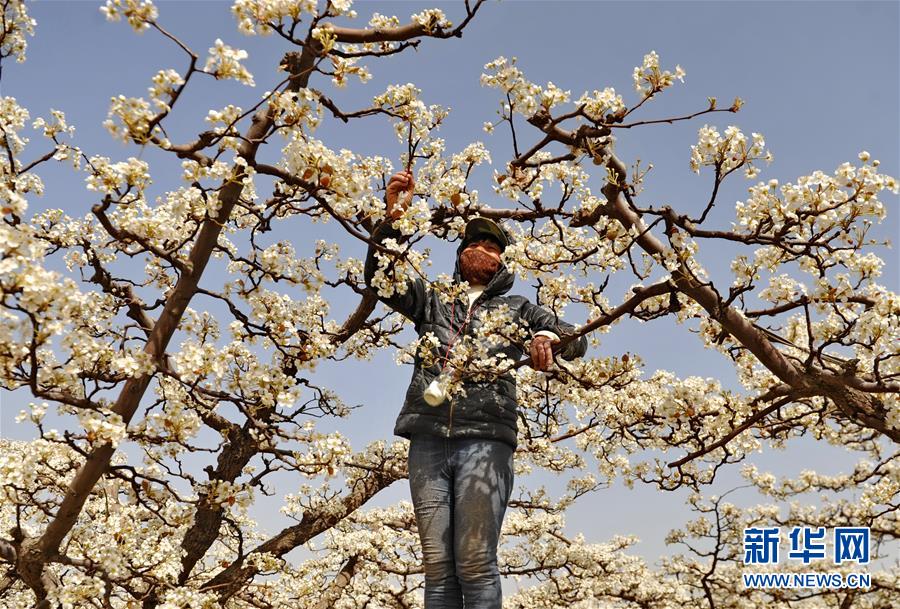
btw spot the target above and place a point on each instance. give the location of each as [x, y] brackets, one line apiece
[481, 228]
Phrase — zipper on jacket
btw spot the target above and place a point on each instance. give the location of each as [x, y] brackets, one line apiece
[465, 329]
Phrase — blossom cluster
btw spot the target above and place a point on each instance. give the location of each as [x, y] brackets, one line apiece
[393, 275]
[139, 13]
[325, 454]
[225, 493]
[129, 119]
[343, 66]
[649, 79]
[503, 74]
[600, 103]
[413, 118]
[56, 126]
[119, 534]
[17, 24]
[176, 424]
[165, 83]
[259, 16]
[445, 180]
[432, 19]
[224, 62]
[539, 253]
[14, 184]
[296, 110]
[342, 179]
[111, 178]
[729, 151]
[818, 202]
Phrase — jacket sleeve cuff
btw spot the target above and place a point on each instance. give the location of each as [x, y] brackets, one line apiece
[547, 333]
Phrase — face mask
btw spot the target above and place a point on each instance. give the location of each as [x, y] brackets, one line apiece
[477, 267]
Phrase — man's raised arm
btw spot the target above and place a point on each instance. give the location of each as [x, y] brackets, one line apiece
[410, 303]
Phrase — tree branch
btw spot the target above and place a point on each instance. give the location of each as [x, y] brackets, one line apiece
[314, 522]
[748, 423]
[37, 551]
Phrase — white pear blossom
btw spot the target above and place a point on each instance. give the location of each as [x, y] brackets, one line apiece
[139, 13]
[225, 62]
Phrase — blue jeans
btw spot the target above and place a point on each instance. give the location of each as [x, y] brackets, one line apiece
[460, 489]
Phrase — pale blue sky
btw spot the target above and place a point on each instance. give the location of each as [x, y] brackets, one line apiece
[820, 81]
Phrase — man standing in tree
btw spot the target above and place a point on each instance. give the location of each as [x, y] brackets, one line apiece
[461, 447]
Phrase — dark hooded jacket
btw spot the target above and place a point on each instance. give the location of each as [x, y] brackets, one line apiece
[488, 410]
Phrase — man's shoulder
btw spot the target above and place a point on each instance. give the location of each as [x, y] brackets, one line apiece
[513, 300]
